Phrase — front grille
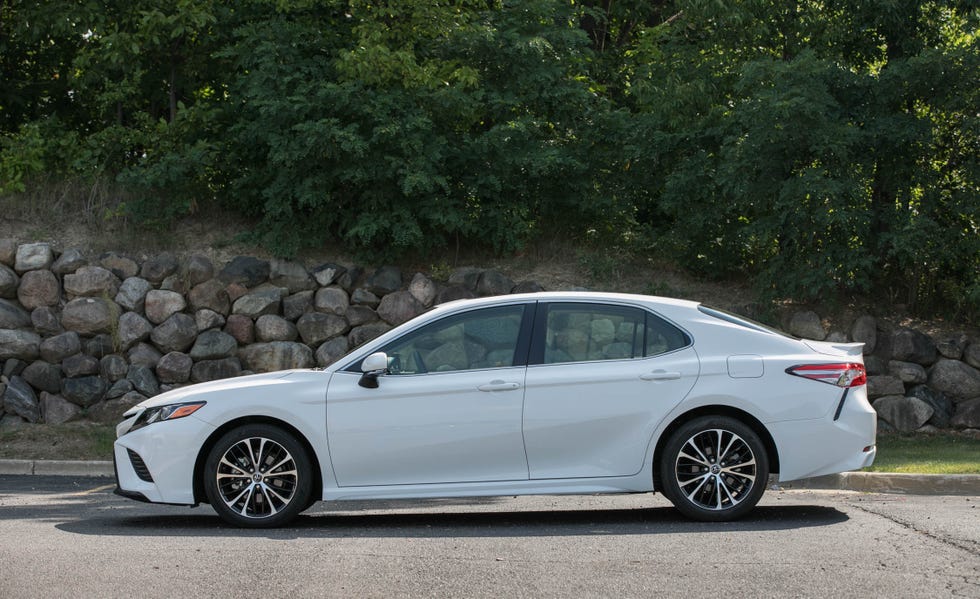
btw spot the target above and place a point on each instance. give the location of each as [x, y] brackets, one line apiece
[139, 466]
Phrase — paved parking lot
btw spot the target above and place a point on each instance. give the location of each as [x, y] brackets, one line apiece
[62, 536]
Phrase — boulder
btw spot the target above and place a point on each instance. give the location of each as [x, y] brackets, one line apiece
[13, 367]
[952, 345]
[133, 328]
[143, 353]
[161, 305]
[118, 389]
[332, 300]
[57, 348]
[291, 275]
[910, 345]
[865, 330]
[275, 328]
[807, 325]
[259, 303]
[90, 315]
[967, 414]
[47, 321]
[971, 354]
[492, 282]
[113, 367]
[527, 287]
[326, 274]
[297, 305]
[241, 327]
[111, 410]
[206, 319]
[276, 355]
[358, 315]
[20, 399]
[38, 288]
[22, 345]
[316, 327]
[211, 295]
[942, 408]
[143, 380]
[80, 365]
[174, 367]
[399, 307]
[332, 350]
[177, 333]
[132, 293]
[198, 269]
[33, 256]
[246, 270]
[214, 370]
[99, 346]
[385, 280]
[213, 345]
[43, 376]
[366, 332]
[364, 297]
[957, 380]
[466, 277]
[159, 267]
[423, 289]
[123, 267]
[12, 316]
[884, 384]
[84, 391]
[8, 251]
[68, 262]
[12, 422]
[907, 372]
[349, 279]
[175, 283]
[452, 293]
[8, 282]
[906, 414]
[55, 409]
[92, 281]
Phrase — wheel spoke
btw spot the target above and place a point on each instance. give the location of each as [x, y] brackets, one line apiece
[691, 443]
[701, 478]
[225, 461]
[693, 459]
[268, 491]
[712, 486]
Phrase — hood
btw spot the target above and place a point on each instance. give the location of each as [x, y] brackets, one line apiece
[252, 380]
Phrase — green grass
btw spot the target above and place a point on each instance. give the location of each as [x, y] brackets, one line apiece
[941, 453]
[72, 441]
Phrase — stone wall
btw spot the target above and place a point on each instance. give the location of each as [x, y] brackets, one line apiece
[89, 337]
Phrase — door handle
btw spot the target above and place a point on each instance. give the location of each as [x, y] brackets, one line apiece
[660, 375]
[499, 386]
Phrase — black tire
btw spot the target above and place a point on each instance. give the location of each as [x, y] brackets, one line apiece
[705, 486]
[258, 476]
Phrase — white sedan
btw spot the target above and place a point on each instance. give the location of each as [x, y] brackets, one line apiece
[545, 393]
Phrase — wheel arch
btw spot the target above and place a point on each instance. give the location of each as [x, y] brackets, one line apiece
[199, 494]
[716, 410]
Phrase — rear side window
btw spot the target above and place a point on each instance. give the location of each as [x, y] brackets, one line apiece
[742, 321]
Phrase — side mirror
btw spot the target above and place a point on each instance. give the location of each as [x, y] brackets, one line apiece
[373, 366]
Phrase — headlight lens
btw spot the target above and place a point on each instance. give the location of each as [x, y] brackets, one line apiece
[168, 412]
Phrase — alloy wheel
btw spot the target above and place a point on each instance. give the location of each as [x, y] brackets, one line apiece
[715, 469]
[257, 477]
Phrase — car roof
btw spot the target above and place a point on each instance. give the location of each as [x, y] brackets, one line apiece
[582, 296]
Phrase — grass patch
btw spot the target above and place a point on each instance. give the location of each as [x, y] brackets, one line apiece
[941, 453]
[72, 441]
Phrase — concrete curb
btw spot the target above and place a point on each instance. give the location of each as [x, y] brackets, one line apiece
[868, 482]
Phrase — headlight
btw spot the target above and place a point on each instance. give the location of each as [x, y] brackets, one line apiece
[168, 412]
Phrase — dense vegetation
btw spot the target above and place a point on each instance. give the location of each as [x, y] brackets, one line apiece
[819, 148]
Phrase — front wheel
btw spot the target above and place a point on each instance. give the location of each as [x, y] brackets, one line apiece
[714, 469]
[258, 476]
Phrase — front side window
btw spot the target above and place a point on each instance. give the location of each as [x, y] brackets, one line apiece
[486, 338]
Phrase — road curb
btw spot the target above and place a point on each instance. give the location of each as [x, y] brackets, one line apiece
[868, 482]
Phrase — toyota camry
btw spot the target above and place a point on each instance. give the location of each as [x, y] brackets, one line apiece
[545, 393]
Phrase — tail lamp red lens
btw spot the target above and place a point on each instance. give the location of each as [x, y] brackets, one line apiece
[842, 374]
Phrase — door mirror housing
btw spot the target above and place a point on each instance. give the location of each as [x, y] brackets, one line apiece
[373, 366]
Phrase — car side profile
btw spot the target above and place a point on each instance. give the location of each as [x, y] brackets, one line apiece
[544, 393]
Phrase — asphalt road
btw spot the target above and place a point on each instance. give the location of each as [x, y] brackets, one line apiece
[70, 537]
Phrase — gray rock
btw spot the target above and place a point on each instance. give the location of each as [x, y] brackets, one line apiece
[316, 327]
[291, 275]
[385, 280]
[967, 414]
[275, 328]
[119, 388]
[177, 333]
[133, 328]
[951, 346]
[57, 348]
[46, 321]
[909, 345]
[43, 376]
[13, 367]
[79, 365]
[875, 365]
[208, 319]
[241, 327]
[38, 288]
[276, 355]
[132, 293]
[22, 345]
[123, 267]
[143, 380]
[99, 346]
[84, 391]
[836, 337]
[971, 354]
[423, 289]
[358, 315]
[92, 281]
[527, 287]
[111, 411]
[246, 270]
[332, 350]
[349, 279]
[331, 300]
[198, 269]
[399, 307]
[20, 399]
[8, 251]
[906, 414]
[957, 380]
[174, 367]
[210, 295]
[55, 409]
[159, 267]
[145, 354]
[175, 283]
[33, 256]
[297, 305]
[258, 303]
[907, 372]
[492, 282]
[884, 384]
[68, 262]
[942, 408]
[865, 330]
[90, 315]
[12, 422]
[466, 277]
[214, 370]
[326, 274]
[452, 293]
[161, 305]
[807, 325]
[8, 282]
[113, 367]
[364, 297]
[13, 316]
[213, 345]
[364, 333]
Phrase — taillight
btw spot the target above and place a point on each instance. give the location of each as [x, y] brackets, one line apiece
[849, 374]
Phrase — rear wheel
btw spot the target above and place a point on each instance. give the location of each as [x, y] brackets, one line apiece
[258, 476]
[714, 468]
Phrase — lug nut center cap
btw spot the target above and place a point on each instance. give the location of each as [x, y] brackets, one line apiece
[715, 468]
